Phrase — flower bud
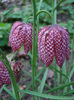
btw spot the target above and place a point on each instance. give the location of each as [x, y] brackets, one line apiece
[16, 68]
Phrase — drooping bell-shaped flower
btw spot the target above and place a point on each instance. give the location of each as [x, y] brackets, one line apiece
[21, 34]
[4, 74]
[53, 41]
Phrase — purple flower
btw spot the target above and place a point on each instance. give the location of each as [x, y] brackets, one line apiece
[4, 74]
[53, 41]
[21, 34]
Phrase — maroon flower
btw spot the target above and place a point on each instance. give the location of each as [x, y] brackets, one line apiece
[21, 34]
[16, 67]
[4, 74]
[53, 41]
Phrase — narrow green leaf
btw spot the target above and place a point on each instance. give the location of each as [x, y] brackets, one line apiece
[58, 76]
[4, 57]
[64, 72]
[47, 95]
[68, 72]
[43, 81]
[9, 92]
[5, 64]
[71, 73]
[35, 77]
[60, 87]
[68, 93]
[44, 84]
[58, 71]
[2, 88]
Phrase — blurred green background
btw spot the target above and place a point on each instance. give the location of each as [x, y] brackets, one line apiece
[20, 10]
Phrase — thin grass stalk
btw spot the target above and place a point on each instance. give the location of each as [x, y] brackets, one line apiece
[37, 39]
[58, 77]
[64, 72]
[53, 23]
[33, 45]
[60, 87]
[37, 34]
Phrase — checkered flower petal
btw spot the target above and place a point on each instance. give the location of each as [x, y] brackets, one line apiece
[65, 34]
[28, 38]
[40, 35]
[49, 47]
[16, 37]
[4, 74]
[67, 44]
[53, 42]
[21, 34]
[1, 83]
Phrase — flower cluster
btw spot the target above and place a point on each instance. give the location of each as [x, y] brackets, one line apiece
[4, 74]
[53, 41]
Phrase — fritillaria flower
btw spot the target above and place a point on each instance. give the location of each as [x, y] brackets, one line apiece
[4, 74]
[53, 41]
[21, 34]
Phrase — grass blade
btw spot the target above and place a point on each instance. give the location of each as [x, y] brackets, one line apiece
[60, 87]
[47, 95]
[43, 81]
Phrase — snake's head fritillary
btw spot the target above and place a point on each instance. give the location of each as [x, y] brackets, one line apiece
[4, 74]
[21, 34]
[53, 41]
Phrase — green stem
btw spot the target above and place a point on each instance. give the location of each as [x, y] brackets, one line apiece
[14, 86]
[72, 51]
[37, 39]
[58, 4]
[31, 17]
[55, 15]
[43, 11]
[53, 12]
[54, 22]
[33, 45]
